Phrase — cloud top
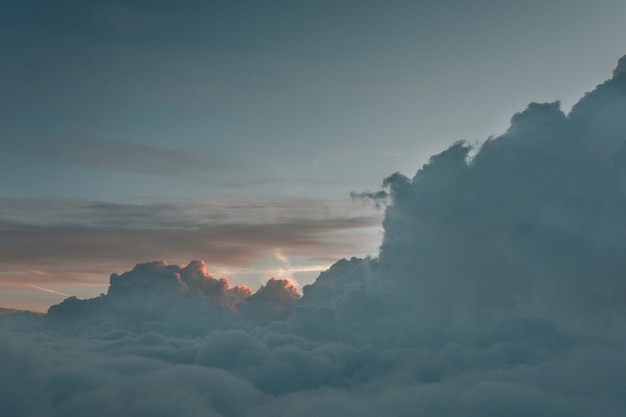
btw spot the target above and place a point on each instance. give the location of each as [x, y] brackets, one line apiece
[620, 67]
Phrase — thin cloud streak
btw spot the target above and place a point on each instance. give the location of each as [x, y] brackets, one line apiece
[230, 243]
[281, 181]
[117, 155]
[17, 214]
[48, 290]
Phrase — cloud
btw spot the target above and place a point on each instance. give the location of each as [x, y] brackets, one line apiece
[6, 311]
[498, 290]
[378, 198]
[278, 293]
[620, 67]
[69, 241]
[282, 181]
[117, 156]
[51, 213]
[534, 218]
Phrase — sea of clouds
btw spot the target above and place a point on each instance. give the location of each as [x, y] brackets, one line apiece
[499, 290]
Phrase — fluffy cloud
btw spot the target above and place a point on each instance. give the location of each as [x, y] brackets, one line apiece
[276, 292]
[498, 290]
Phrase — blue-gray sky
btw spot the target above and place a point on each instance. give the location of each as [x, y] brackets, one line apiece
[123, 118]
[137, 139]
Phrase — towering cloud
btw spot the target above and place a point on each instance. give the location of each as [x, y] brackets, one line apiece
[499, 289]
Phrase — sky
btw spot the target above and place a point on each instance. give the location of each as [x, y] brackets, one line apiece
[296, 209]
[234, 132]
[498, 290]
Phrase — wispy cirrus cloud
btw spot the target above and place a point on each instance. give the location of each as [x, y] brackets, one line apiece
[116, 155]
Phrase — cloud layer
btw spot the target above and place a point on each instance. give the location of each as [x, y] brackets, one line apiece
[499, 289]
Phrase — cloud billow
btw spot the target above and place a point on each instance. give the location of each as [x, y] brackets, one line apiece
[499, 289]
[533, 221]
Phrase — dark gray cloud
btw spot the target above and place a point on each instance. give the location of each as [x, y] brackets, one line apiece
[498, 290]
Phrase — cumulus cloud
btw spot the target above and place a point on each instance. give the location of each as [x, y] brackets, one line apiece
[498, 290]
[276, 292]
[620, 67]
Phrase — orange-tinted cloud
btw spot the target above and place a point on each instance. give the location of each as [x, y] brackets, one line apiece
[59, 241]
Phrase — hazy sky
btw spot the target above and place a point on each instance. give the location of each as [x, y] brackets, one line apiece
[234, 131]
[151, 149]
